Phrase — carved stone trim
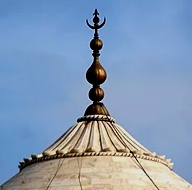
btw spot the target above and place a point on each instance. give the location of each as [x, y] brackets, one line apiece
[96, 118]
[29, 161]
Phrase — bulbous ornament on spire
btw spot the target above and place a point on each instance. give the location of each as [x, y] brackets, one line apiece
[96, 74]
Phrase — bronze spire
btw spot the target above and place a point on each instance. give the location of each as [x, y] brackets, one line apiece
[96, 74]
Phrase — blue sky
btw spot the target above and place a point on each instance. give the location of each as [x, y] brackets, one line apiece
[44, 54]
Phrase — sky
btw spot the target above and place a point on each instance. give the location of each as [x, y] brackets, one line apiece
[44, 55]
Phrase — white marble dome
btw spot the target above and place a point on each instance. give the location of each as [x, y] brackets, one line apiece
[96, 153]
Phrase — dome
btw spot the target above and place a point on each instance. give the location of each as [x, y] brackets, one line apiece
[96, 152]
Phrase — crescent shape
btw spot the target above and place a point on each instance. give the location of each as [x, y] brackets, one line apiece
[92, 27]
[101, 25]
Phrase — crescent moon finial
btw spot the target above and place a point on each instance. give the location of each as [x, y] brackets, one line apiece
[96, 21]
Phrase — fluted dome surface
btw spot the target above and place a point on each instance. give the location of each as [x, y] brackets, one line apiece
[95, 135]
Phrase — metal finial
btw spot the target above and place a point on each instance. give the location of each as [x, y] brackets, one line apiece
[96, 23]
[96, 74]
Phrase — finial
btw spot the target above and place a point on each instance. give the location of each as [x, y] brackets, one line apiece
[96, 74]
[96, 23]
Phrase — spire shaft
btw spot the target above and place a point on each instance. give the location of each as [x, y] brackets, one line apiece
[96, 74]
